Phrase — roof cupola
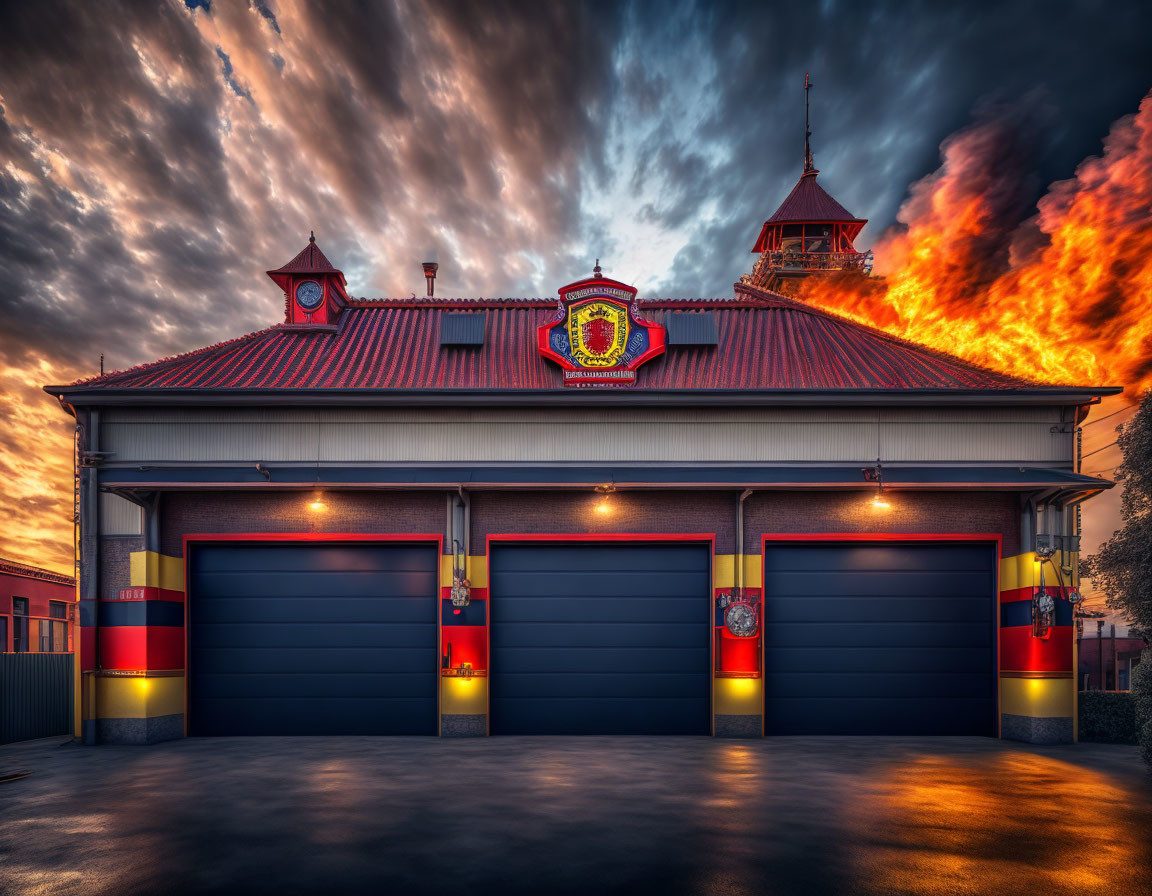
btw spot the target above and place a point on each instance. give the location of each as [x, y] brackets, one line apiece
[314, 291]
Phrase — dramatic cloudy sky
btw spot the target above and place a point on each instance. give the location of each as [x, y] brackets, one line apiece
[157, 157]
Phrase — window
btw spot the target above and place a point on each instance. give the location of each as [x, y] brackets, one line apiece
[20, 625]
[57, 609]
[59, 636]
[3, 634]
[45, 636]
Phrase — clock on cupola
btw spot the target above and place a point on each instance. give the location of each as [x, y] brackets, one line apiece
[314, 291]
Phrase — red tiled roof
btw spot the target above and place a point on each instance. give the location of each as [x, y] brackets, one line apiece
[809, 201]
[14, 568]
[766, 342]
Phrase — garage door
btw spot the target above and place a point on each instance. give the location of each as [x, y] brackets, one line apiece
[879, 639]
[600, 639]
[312, 639]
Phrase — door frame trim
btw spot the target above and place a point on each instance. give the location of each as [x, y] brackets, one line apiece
[192, 539]
[995, 538]
[708, 538]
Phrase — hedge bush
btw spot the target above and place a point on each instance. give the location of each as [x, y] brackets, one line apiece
[1142, 703]
[1107, 717]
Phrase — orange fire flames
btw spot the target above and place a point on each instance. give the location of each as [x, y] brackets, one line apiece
[1064, 297]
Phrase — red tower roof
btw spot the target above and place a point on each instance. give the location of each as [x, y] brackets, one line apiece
[310, 260]
[809, 201]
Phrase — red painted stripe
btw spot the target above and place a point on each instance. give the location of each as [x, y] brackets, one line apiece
[738, 654]
[141, 647]
[1017, 594]
[882, 536]
[1021, 652]
[148, 592]
[604, 536]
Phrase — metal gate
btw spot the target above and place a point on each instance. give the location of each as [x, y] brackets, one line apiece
[36, 695]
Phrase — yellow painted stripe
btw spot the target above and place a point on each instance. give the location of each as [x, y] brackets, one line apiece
[1023, 571]
[1038, 698]
[139, 698]
[151, 570]
[463, 696]
[477, 571]
[738, 696]
[724, 568]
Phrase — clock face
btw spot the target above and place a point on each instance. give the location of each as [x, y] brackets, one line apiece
[308, 294]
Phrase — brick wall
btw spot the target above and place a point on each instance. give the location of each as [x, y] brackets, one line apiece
[568, 511]
[987, 512]
[242, 511]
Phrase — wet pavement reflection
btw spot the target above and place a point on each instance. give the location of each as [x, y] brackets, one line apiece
[575, 815]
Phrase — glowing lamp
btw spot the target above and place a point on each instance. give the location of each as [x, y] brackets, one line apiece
[879, 503]
[317, 504]
[603, 507]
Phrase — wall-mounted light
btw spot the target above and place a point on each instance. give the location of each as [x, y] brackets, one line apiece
[603, 507]
[879, 502]
[876, 474]
[317, 505]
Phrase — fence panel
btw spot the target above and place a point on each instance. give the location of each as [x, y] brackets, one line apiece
[36, 694]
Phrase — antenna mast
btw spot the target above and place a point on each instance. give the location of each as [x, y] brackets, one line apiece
[808, 166]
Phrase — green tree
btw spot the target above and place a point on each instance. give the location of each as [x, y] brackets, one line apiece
[1122, 568]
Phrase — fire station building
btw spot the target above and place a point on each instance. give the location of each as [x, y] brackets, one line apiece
[590, 514]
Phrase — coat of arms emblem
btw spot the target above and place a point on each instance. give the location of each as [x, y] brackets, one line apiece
[598, 335]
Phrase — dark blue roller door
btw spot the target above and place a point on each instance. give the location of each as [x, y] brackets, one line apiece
[600, 639]
[880, 638]
[312, 639]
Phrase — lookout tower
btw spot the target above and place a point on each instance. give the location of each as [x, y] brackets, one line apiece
[809, 233]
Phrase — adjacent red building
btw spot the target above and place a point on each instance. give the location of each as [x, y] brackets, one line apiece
[37, 609]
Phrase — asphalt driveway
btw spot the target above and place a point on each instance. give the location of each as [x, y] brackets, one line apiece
[565, 815]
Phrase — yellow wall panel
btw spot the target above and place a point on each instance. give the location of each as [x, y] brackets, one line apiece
[477, 571]
[139, 698]
[151, 570]
[463, 696]
[739, 696]
[1038, 698]
[724, 569]
[1023, 571]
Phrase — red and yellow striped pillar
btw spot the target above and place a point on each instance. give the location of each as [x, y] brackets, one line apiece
[139, 696]
[738, 682]
[1037, 674]
[464, 653]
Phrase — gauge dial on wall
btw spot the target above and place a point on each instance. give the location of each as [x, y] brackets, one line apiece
[308, 294]
[741, 620]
